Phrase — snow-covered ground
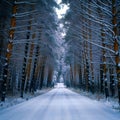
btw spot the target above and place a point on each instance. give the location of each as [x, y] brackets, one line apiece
[60, 85]
[111, 102]
[16, 99]
[60, 104]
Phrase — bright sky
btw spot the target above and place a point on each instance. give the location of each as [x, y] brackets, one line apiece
[62, 10]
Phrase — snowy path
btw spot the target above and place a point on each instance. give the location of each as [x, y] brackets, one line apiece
[59, 104]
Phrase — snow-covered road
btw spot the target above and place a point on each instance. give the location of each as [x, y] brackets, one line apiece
[59, 104]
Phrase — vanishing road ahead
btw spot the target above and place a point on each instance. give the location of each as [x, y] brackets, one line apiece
[59, 104]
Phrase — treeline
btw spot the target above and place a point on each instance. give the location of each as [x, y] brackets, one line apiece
[28, 54]
[93, 46]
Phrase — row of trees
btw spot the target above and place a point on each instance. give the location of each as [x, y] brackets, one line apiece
[28, 45]
[30, 52]
[93, 46]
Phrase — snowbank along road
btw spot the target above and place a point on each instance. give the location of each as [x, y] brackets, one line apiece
[59, 104]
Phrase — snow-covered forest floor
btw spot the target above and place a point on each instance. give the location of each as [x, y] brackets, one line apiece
[60, 104]
[13, 100]
[16, 99]
[111, 102]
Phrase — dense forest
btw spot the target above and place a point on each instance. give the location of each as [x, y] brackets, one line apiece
[28, 45]
[93, 46]
[33, 53]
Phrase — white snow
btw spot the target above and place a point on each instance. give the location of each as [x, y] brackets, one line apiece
[60, 85]
[60, 104]
[16, 99]
[111, 102]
